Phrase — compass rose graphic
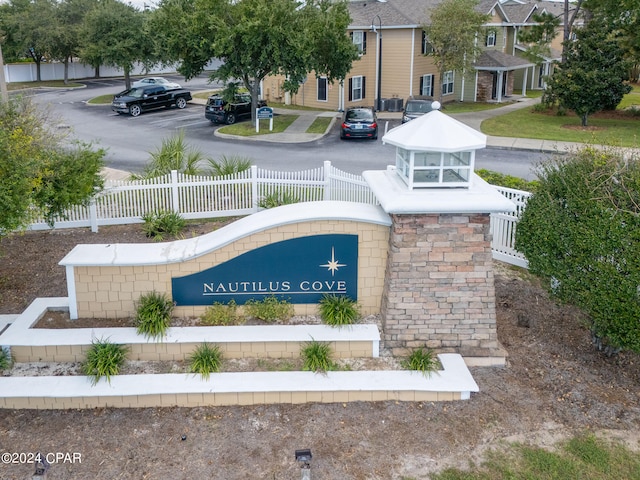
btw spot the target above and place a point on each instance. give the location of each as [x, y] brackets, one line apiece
[333, 265]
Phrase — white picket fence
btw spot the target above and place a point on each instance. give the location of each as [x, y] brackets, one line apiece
[194, 197]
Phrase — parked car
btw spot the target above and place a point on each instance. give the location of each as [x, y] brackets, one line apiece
[138, 99]
[416, 107]
[148, 81]
[359, 122]
[219, 111]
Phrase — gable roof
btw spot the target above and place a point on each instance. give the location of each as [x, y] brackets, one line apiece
[494, 60]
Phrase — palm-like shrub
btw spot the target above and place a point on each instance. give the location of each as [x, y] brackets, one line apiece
[5, 359]
[228, 165]
[158, 224]
[174, 154]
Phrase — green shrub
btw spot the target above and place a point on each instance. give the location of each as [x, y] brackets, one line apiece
[579, 232]
[5, 359]
[104, 359]
[221, 314]
[269, 309]
[316, 357]
[508, 181]
[422, 360]
[338, 310]
[153, 315]
[174, 154]
[158, 224]
[205, 360]
[228, 165]
[278, 198]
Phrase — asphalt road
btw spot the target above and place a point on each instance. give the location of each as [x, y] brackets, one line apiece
[129, 141]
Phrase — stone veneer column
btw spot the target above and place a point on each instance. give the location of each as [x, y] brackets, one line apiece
[439, 286]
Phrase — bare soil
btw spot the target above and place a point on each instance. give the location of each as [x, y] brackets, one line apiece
[555, 385]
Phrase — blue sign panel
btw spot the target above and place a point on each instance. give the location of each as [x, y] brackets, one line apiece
[265, 112]
[300, 270]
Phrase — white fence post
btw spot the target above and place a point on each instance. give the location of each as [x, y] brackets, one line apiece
[254, 188]
[175, 194]
[327, 180]
[93, 215]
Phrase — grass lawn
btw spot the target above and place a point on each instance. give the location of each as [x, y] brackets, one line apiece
[52, 83]
[248, 129]
[319, 125]
[462, 107]
[584, 457]
[101, 100]
[524, 123]
[616, 129]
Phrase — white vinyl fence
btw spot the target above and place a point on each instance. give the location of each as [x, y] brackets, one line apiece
[194, 197]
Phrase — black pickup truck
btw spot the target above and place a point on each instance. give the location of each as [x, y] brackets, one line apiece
[138, 99]
[219, 111]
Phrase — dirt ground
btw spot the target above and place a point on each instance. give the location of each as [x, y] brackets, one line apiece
[556, 384]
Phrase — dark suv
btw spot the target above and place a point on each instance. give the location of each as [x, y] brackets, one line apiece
[416, 107]
[218, 111]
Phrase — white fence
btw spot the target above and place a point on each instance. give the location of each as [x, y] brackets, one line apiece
[193, 197]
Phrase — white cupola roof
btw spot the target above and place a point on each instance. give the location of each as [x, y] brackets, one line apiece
[435, 132]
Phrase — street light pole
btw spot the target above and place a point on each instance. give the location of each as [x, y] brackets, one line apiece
[379, 82]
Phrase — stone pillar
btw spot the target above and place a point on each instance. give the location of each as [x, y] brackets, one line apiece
[439, 287]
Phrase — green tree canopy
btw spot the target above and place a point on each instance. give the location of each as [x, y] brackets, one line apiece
[113, 35]
[539, 36]
[256, 38]
[581, 231]
[39, 173]
[453, 32]
[623, 16]
[29, 36]
[592, 78]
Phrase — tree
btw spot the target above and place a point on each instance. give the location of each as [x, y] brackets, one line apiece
[39, 173]
[29, 35]
[624, 21]
[66, 34]
[113, 35]
[539, 36]
[256, 38]
[569, 18]
[581, 231]
[592, 77]
[455, 48]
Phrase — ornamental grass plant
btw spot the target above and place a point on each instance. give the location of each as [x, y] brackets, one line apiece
[316, 357]
[338, 310]
[104, 359]
[153, 315]
[421, 359]
[5, 359]
[205, 360]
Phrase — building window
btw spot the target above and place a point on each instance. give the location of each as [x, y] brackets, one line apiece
[427, 48]
[426, 85]
[356, 88]
[447, 83]
[322, 89]
[491, 39]
[359, 39]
